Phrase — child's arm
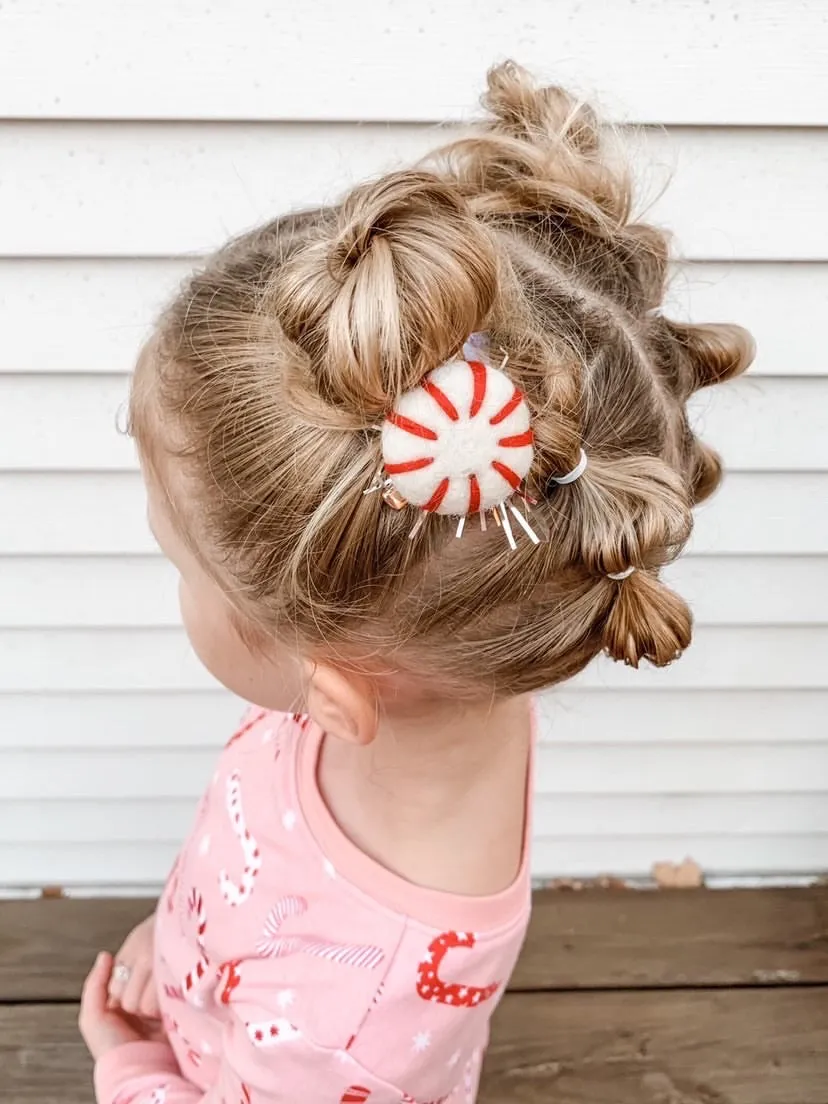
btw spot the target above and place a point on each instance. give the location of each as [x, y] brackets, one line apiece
[264, 1060]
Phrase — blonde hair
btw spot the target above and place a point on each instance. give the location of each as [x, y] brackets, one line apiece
[275, 365]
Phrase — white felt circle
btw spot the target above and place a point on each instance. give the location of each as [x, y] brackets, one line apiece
[473, 447]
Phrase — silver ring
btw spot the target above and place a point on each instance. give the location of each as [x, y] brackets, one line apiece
[121, 973]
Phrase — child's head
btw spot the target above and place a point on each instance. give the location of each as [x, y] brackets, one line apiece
[257, 405]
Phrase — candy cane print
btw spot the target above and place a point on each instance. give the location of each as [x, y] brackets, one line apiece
[249, 720]
[237, 894]
[430, 985]
[156, 1096]
[274, 945]
[268, 1033]
[470, 1078]
[193, 979]
[172, 1028]
[231, 981]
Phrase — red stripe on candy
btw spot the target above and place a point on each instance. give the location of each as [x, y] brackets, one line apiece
[409, 466]
[479, 376]
[511, 477]
[438, 496]
[505, 411]
[474, 494]
[408, 425]
[518, 440]
[441, 398]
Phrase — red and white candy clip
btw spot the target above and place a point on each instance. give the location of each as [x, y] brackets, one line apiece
[460, 443]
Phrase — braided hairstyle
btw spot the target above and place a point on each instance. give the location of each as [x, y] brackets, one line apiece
[273, 367]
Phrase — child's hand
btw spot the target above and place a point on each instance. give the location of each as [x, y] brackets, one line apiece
[103, 1028]
[132, 985]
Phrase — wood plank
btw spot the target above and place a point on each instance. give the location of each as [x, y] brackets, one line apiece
[161, 189]
[100, 310]
[42, 1057]
[663, 1047]
[412, 61]
[605, 939]
[666, 1047]
[590, 939]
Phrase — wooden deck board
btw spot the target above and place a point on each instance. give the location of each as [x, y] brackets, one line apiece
[654, 1047]
[593, 939]
[690, 997]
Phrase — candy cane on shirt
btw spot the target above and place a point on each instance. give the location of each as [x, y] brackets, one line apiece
[237, 894]
[156, 1096]
[172, 1028]
[194, 977]
[431, 987]
[274, 945]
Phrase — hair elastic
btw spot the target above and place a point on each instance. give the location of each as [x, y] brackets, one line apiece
[620, 576]
[574, 475]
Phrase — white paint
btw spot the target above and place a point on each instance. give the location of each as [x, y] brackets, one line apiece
[108, 728]
[156, 189]
[733, 61]
[67, 423]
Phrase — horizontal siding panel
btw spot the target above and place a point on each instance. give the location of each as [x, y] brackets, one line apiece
[65, 721]
[147, 864]
[99, 513]
[151, 189]
[179, 60]
[776, 302]
[101, 309]
[101, 863]
[35, 660]
[682, 716]
[158, 774]
[719, 856]
[68, 720]
[563, 816]
[142, 591]
[68, 423]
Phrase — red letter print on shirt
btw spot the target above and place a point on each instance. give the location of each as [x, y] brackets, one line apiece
[430, 985]
[237, 894]
[355, 1095]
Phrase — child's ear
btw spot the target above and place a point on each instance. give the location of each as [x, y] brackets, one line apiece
[342, 704]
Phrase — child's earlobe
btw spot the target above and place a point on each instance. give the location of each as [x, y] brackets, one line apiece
[343, 704]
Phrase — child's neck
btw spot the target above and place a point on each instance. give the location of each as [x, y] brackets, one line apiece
[440, 802]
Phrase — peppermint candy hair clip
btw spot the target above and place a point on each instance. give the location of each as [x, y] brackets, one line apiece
[459, 444]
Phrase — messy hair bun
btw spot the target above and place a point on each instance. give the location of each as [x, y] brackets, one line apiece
[392, 287]
[280, 360]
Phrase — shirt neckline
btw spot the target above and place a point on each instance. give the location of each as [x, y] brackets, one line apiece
[431, 907]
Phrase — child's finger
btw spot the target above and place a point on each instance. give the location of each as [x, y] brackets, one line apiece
[131, 996]
[95, 988]
[149, 1007]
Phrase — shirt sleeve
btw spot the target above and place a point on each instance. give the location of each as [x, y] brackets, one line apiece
[264, 1060]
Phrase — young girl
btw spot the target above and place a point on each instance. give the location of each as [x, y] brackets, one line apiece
[415, 457]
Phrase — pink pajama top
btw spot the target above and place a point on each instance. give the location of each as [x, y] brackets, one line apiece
[293, 969]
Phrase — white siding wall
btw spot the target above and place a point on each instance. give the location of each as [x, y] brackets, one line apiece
[132, 134]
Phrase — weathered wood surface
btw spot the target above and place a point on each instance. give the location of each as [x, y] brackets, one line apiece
[766, 1046]
[654, 1047]
[592, 939]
